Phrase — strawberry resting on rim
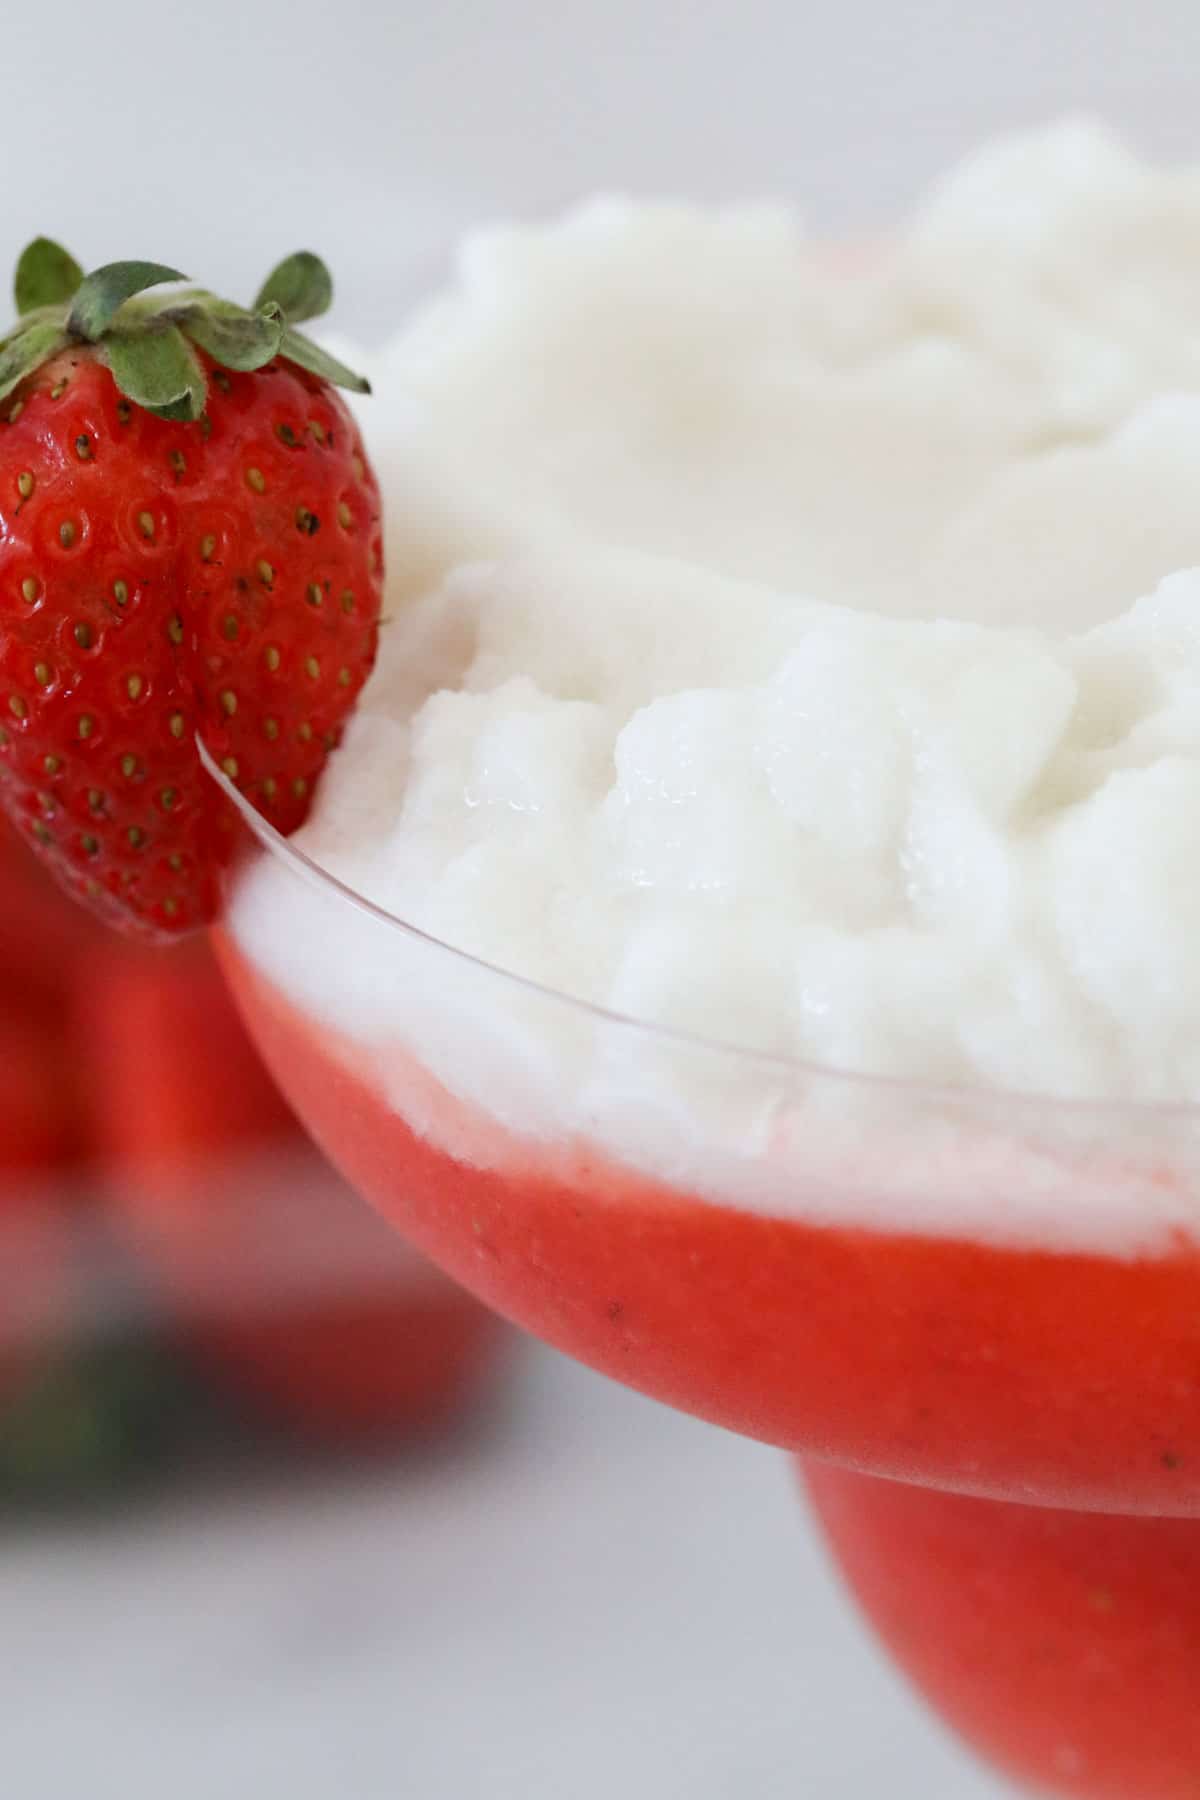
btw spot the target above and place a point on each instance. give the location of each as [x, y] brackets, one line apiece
[190, 545]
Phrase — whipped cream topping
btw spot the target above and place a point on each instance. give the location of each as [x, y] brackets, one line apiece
[795, 647]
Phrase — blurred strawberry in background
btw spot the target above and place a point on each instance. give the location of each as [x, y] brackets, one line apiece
[38, 1122]
[63, 1419]
[279, 1277]
[38, 1143]
[41, 1137]
[137, 1123]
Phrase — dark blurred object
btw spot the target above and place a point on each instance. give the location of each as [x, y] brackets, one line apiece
[91, 1416]
[168, 1234]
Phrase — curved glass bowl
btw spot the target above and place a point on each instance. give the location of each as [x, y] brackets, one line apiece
[990, 1293]
[1064, 1647]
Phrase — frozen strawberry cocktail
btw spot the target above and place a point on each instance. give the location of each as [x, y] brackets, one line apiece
[749, 932]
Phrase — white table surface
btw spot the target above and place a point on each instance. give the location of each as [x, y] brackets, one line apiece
[587, 1597]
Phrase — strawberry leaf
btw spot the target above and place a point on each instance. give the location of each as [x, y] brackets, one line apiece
[26, 350]
[301, 286]
[310, 356]
[157, 368]
[232, 337]
[106, 290]
[47, 275]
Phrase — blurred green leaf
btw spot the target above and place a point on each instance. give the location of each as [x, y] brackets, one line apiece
[106, 290]
[301, 286]
[47, 275]
[157, 367]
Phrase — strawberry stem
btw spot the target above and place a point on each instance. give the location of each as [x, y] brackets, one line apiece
[26, 350]
[300, 286]
[102, 293]
[233, 338]
[47, 275]
[307, 355]
[159, 370]
[145, 342]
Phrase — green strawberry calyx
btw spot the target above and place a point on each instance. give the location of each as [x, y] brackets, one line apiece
[148, 341]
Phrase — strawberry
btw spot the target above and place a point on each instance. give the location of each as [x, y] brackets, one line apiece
[43, 937]
[36, 1118]
[189, 549]
[43, 941]
[37, 1141]
[81, 1408]
[282, 1285]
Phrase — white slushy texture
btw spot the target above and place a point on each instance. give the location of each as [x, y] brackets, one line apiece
[800, 650]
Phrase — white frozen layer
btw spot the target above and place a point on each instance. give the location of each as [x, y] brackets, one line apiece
[799, 651]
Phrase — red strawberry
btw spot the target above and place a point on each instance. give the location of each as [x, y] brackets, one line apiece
[42, 936]
[281, 1281]
[80, 1408]
[37, 1123]
[189, 544]
[37, 1141]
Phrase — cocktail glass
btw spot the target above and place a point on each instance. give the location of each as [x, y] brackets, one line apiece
[975, 1314]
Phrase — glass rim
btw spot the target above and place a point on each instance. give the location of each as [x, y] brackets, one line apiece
[314, 874]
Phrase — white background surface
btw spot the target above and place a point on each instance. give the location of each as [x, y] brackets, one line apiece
[602, 1600]
[592, 1599]
[220, 135]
